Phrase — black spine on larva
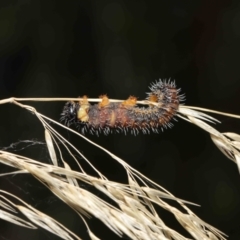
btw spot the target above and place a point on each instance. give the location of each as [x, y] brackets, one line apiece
[69, 113]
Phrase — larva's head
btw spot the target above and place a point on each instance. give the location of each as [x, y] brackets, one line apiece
[69, 113]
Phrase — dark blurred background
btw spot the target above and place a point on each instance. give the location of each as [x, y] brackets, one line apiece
[72, 48]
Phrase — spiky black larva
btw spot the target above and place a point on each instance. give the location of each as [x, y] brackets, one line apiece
[107, 117]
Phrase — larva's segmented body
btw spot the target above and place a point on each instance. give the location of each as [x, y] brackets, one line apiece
[107, 117]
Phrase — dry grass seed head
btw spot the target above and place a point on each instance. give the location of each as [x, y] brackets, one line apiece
[136, 216]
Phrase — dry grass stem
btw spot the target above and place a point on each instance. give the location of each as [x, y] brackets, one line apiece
[228, 143]
[134, 213]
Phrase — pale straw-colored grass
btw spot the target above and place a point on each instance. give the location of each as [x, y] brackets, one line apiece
[135, 214]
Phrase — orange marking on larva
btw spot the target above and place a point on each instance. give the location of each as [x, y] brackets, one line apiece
[153, 98]
[130, 102]
[84, 100]
[104, 102]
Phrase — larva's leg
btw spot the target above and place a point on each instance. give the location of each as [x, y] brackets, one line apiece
[130, 102]
[82, 113]
[104, 102]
